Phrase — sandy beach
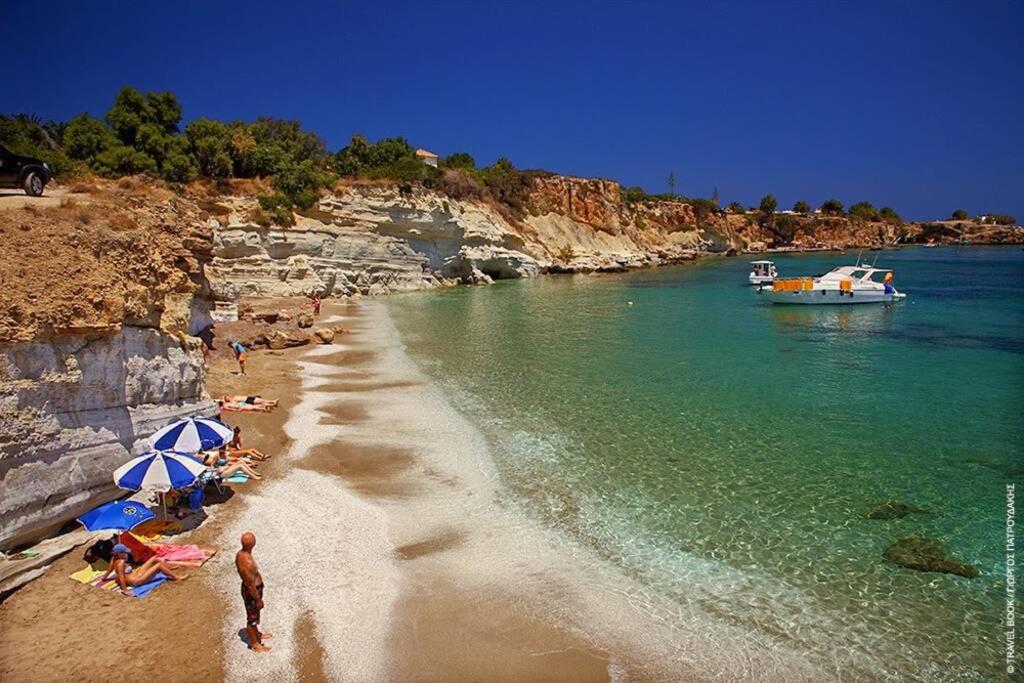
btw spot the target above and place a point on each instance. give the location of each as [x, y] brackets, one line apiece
[388, 550]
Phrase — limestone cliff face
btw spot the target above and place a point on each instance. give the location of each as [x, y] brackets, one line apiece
[74, 408]
[100, 295]
[375, 240]
[367, 241]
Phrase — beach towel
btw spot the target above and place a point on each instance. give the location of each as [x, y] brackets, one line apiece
[153, 529]
[91, 572]
[181, 553]
[90, 575]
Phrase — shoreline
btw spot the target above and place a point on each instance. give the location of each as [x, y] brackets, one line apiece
[387, 551]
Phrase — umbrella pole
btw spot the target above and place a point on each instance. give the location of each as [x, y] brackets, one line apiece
[163, 506]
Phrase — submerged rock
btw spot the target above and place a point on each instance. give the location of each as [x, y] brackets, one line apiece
[926, 555]
[893, 509]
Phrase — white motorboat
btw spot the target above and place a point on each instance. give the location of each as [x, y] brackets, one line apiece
[861, 284]
[763, 272]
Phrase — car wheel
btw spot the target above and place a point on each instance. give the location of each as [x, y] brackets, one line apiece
[33, 184]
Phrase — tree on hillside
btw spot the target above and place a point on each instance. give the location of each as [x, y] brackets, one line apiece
[889, 215]
[959, 215]
[768, 204]
[86, 137]
[671, 182]
[832, 207]
[736, 207]
[865, 211]
[459, 160]
[210, 141]
[802, 207]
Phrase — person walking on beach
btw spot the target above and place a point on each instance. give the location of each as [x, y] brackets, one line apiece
[239, 352]
[316, 303]
[252, 592]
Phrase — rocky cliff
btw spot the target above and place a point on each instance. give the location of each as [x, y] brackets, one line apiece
[98, 295]
[374, 240]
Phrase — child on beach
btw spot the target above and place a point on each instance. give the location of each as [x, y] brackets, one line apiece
[240, 356]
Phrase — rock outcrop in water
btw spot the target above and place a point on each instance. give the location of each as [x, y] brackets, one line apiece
[926, 555]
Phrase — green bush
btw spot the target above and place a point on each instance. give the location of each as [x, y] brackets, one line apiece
[768, 204]
[460, 160]
[802, 207]
[121, 161]
[865, 211]
[736, 207]
[889, 215]
[959, 215]
[300, 182]
[832, 207]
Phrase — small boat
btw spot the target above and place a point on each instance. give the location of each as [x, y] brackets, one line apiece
[764, 272]
[861, 284]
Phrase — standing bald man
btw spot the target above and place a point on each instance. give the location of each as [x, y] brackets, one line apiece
[252, 592]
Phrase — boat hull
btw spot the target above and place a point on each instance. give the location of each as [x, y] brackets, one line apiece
[830, 297]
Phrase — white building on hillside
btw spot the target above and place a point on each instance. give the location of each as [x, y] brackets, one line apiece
[429, 158]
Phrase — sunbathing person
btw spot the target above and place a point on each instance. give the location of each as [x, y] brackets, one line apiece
[230, 466]
[253, 400]
[236, 450]
[240, 406]
[129, 577]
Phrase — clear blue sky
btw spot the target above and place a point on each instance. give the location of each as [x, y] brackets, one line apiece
[915, 105]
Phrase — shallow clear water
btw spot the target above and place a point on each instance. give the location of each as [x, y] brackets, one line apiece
[724, 451]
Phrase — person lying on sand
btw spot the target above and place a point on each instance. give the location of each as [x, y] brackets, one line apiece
[213, 460]
[227, 403]
[128, 576]
[252, 400]
[236, 451]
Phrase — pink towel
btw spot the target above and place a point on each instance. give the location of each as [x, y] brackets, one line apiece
[179, 553]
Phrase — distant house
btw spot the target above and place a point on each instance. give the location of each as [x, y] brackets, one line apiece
[429, 158]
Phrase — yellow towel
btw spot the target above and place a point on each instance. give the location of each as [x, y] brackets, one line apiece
[91, 572]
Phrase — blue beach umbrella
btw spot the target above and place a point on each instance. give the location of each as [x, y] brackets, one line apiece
[118, 515]
[158, 471]
[191, 435]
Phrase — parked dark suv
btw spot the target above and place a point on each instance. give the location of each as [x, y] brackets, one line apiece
[27, 173]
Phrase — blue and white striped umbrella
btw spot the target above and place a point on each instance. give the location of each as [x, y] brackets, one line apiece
[158, 471]
[191, 435]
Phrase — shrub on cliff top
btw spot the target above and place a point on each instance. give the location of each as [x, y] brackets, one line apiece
[832, 207]
[889, 215]
[768, 204]
[736, 207]
[865, 211]
[802, 207]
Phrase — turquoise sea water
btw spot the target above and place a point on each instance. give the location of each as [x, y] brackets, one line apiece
[724, 451]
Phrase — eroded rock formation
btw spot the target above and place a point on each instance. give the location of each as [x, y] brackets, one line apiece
[99, 297]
